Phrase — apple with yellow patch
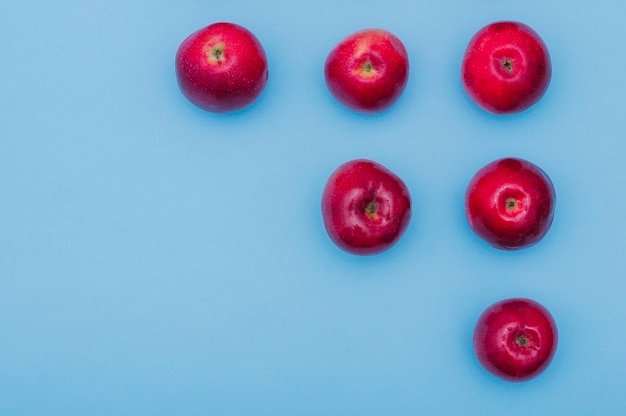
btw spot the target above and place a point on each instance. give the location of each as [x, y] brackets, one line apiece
[368, 70]
[221, 68]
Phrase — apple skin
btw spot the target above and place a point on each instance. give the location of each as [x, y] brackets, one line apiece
[515, 339]
[510, 203]
[365, 207]
[367, 71]
[221, 68]
[506, 67]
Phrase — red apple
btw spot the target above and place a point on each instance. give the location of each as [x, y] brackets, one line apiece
[515, 339]
[365, 207]
[510, 203]
[368, 70]
[506, 67]
[221, 68]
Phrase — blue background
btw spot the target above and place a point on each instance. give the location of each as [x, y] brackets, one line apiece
[156, 259]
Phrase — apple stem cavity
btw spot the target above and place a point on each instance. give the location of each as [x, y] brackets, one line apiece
[368, 70]
[216, 54]
[371, 209]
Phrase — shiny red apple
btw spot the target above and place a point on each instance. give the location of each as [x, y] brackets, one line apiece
[510, 203]
[365, 207]
[506, 67]
[368, 70]
[515, 339]
[221, 68]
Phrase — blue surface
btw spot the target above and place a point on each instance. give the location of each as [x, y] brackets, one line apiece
[159, 260]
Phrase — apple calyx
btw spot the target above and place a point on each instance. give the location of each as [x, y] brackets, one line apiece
[508, 65]
[508, 68]
[514, 203]
[513, 207]
[522, 340]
